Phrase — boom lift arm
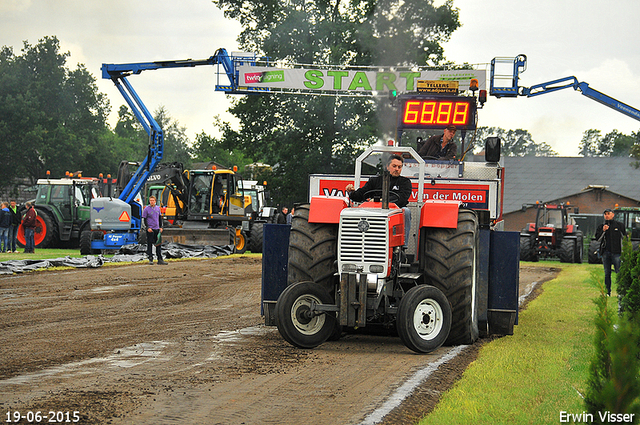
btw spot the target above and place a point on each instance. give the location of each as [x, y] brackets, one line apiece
[519, 65]
[118, 73]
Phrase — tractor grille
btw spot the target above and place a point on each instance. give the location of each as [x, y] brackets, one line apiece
[364, 239]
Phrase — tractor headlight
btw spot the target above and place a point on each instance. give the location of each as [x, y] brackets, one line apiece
[376, 268]
[348, 267]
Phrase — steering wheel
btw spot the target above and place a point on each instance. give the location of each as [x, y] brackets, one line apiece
[393, 196]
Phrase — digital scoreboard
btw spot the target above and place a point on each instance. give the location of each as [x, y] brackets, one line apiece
[436, 112]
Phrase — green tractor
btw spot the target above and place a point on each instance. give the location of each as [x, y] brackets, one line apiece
[63, 210]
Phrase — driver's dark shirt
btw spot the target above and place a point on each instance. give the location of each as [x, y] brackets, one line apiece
[432, 148]
[400, 185]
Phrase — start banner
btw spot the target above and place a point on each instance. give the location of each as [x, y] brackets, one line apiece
[346, 81]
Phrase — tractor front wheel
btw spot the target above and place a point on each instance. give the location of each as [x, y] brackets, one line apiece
[296, 319]
[424, 318]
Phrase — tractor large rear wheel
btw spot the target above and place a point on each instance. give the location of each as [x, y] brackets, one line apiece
[449, 260]
[45, 234]
[527, 246]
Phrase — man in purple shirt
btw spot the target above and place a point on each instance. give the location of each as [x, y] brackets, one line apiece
[153, 220]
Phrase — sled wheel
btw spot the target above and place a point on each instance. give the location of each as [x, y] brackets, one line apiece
[297, 322]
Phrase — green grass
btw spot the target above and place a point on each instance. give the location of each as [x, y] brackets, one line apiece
[541, 370]
[41, 254]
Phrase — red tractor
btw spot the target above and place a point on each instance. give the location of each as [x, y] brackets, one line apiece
[554, 234]
[346, 268]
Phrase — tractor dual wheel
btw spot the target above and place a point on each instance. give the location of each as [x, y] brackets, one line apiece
[424, 318]
[296, 320]
[449, 261]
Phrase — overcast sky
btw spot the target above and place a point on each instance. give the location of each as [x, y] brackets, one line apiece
[596, 41]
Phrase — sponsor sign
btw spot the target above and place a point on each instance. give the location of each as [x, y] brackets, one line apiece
[438, 87]
[352, 80]
[473, 194]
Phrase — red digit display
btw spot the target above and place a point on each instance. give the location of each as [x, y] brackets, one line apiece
[437, 112]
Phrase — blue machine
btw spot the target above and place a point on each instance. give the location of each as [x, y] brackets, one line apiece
[506, 85]
[119, 220]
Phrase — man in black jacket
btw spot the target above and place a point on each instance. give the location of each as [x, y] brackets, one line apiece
[398, 185]
[612, 232]
[440, 147]
[15, 224]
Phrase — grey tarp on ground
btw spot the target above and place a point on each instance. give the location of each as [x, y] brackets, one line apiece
[128, 253]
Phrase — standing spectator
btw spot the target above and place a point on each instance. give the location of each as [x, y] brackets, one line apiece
[290, 215]
[29, 224]
[153, 220]
[15, 225]
[611, 245]
[282, 216]
[5, 224]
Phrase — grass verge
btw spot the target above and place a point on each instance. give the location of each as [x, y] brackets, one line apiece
[541, 370]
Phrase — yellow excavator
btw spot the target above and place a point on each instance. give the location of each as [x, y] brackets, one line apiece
[201, 207]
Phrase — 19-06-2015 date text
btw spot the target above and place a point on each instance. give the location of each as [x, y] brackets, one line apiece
[51, 416]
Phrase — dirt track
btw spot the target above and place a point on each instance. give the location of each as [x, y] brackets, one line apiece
[185, 343]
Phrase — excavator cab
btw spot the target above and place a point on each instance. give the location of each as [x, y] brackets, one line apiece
[216, 194]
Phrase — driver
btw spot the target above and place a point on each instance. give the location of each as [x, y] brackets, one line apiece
[398, 185]
[440, 147]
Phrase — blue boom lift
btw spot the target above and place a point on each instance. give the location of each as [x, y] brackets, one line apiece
[506, 85]
[117, 222]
